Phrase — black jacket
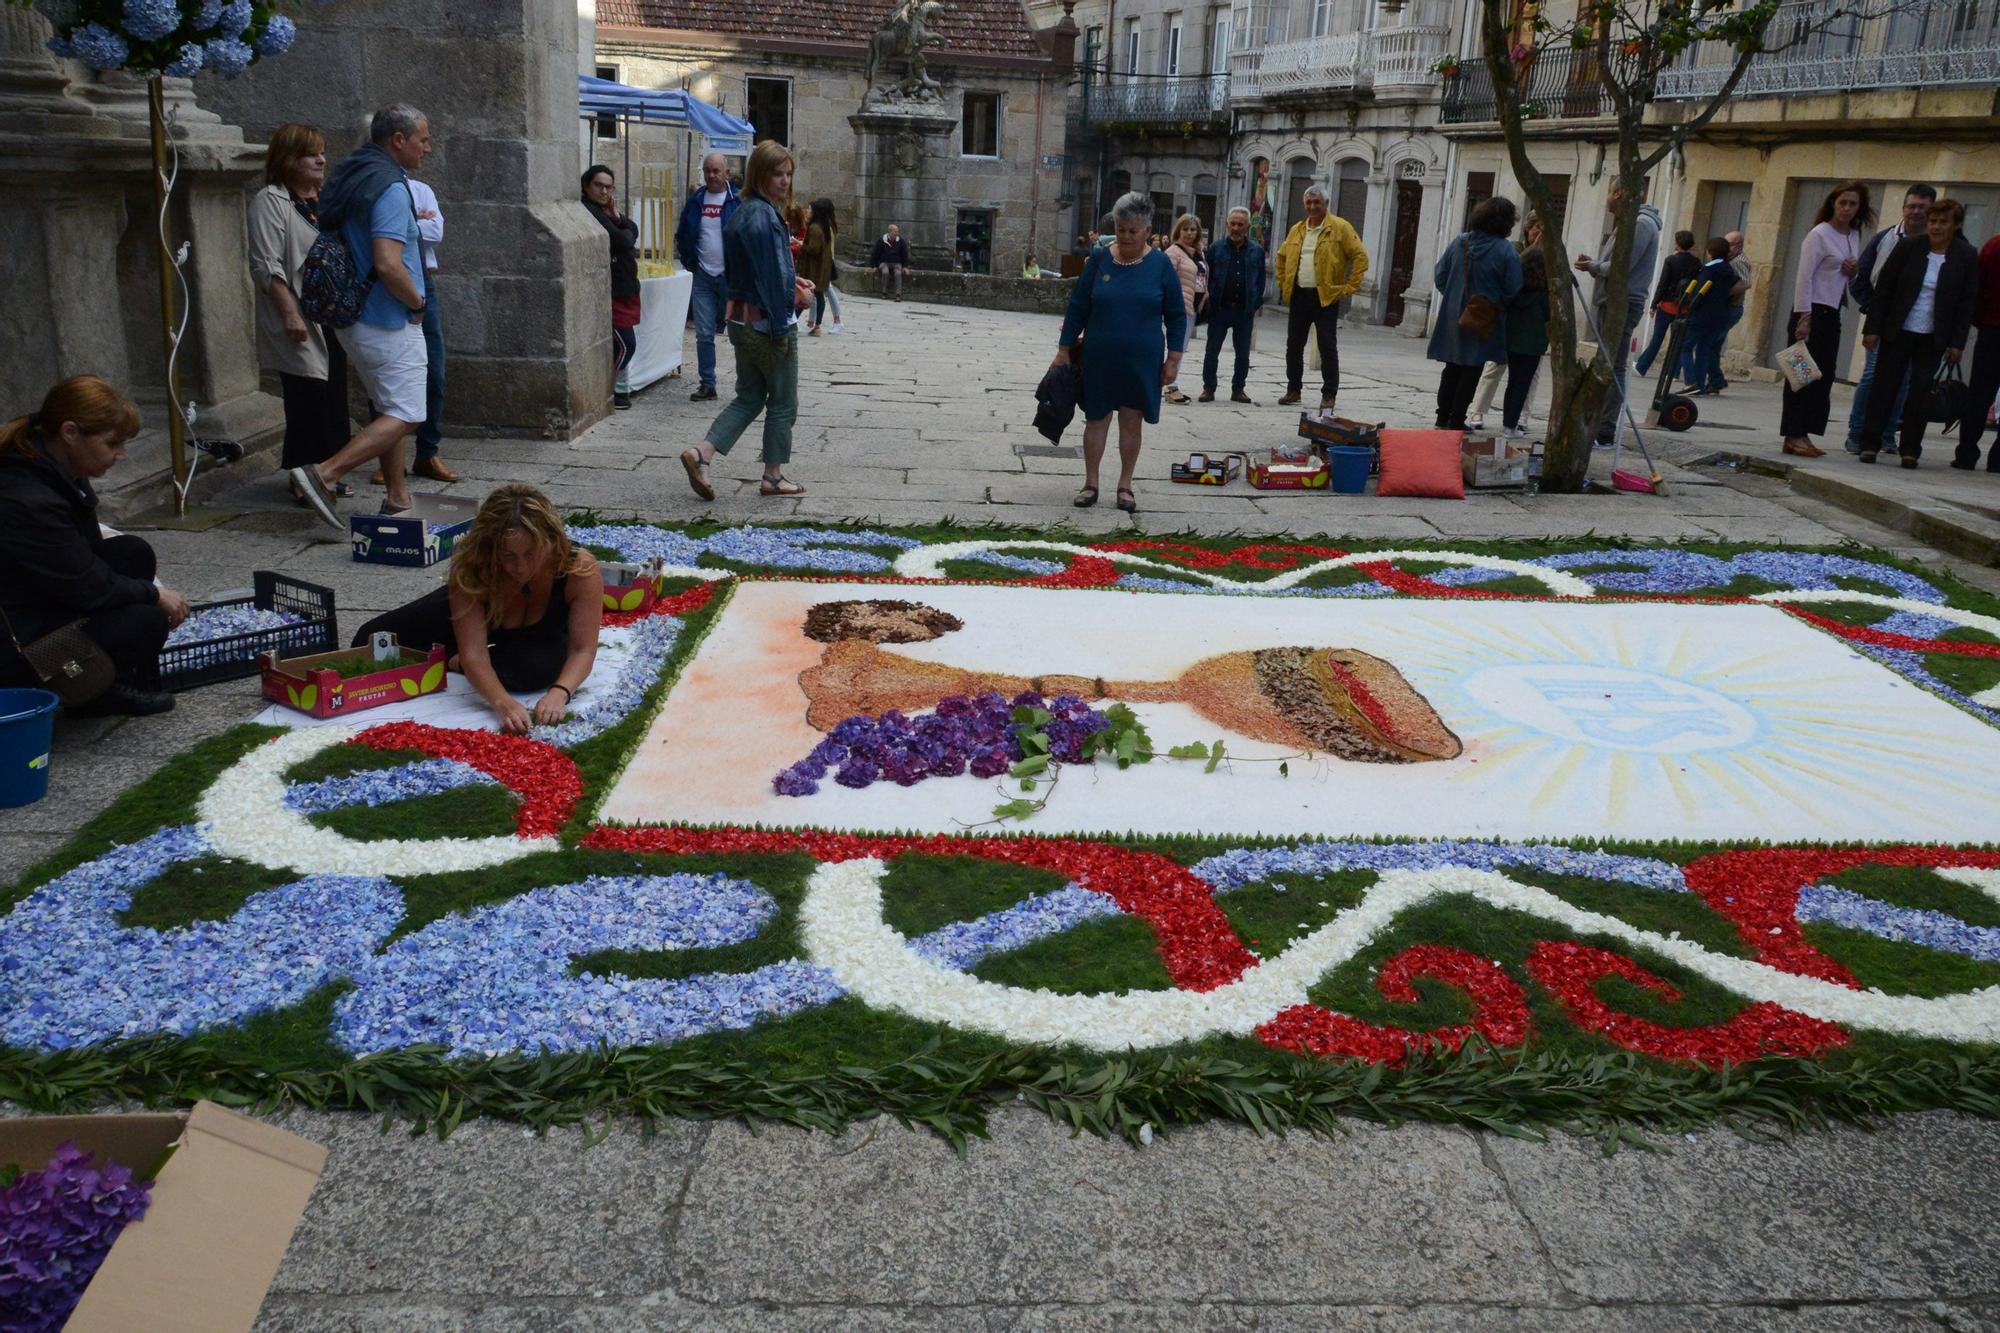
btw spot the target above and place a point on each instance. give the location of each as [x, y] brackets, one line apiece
[50, 573]
[624, 234]
[1674, 274]
[1902, 280]
[882, 252]
[1055, 401]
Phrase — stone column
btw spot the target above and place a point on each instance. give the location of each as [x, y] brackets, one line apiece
[1380, 243]
[906, 155]
[1417, 300]
[524, 272]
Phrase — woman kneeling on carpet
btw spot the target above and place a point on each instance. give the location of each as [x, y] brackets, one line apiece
[56, 564]
[519, 613]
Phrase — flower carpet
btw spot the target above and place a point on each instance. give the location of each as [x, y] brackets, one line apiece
[860, 822]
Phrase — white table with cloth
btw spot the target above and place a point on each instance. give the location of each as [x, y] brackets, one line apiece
[663, 312]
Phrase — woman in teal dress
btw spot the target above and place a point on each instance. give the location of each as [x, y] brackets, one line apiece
[1127, 311]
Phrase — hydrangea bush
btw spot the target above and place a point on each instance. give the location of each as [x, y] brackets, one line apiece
[181, 38]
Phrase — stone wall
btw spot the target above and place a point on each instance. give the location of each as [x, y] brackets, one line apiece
[977, 291]
[524, 284]
[1030, 211]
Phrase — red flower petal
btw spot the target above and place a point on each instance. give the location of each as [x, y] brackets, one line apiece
[1500, 1011]
[1570, 972]
[541, 775]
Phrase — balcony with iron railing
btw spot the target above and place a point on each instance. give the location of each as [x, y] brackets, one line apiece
[1392, 58]
[1157, 101]
[1555, 85]
[1820, 47]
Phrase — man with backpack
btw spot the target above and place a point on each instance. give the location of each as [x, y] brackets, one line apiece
[367, 206]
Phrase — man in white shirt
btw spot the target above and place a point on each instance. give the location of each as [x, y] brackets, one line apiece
[430, 235]
[698, 245]
[1917, 202]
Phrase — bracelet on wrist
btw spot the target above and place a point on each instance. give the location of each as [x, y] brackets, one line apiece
[568, 694]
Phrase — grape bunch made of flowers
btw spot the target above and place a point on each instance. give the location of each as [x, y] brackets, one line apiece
[179, 38]
[981, 734]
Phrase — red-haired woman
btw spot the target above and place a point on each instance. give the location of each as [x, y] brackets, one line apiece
[57, 567]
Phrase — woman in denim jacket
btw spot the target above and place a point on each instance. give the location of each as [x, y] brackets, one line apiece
[765, 297]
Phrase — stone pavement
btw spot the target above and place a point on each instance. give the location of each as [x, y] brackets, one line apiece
[916, 413]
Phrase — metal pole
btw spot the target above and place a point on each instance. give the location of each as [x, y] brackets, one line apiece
[169, 316]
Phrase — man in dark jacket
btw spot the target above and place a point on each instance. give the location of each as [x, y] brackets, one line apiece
[1920, 312]
[1235, 293]
[890, 258]
[56, 566]
[698, 246]
[1917, 202]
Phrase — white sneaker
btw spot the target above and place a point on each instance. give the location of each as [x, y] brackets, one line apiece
[1517, 432]
[835, 328]
[1475, 423]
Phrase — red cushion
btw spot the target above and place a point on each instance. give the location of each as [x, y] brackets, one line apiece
[1422, 462]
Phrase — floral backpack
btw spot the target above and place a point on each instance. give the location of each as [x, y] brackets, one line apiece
[331, 287]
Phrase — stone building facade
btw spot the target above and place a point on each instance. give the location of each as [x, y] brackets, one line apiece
[524, 288]
[797, 70]
[1149, 107]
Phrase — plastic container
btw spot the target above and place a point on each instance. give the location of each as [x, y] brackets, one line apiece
[27, 724]
[1351, 464]
[183, 666]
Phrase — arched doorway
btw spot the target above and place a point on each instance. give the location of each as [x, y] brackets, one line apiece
[1300, 173]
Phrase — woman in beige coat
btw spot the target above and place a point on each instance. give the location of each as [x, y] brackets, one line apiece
[311, 367]
[1191, 266]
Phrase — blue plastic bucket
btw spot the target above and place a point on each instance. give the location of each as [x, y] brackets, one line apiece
[27, 723]
[1350, 468]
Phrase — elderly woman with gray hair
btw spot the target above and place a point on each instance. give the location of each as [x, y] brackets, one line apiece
[1127, 322]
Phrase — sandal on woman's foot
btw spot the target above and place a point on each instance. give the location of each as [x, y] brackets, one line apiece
[697, 470]
[780, 485]
[1127, 501]
[1085, 498]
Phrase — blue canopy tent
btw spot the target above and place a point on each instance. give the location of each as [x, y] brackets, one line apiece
[672, 107]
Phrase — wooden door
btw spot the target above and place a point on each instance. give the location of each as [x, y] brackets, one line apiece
[1402, 264]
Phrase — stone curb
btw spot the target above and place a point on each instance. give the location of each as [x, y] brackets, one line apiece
[1949, 528]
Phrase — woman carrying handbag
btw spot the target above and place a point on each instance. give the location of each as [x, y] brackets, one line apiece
[1478, 276]
[1919, 317]
[82, 615]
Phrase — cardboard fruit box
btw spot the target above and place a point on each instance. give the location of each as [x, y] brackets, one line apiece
[226, 1199]
[421, 535]
[1490, 463]
[1280, 474]
[633, 587]
[314, 685]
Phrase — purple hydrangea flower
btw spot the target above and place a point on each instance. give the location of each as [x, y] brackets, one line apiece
[791, 782]
[228, 56]
[857, 773]
[277, 37]
[150, 20]
[56, 1226]
[98, 47]
[185, 66]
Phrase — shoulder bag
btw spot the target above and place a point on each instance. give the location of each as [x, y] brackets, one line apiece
[1948, 395]
[67, 662]
[1481, 317]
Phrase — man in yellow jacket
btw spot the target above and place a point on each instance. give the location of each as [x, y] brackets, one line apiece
[1320, 264]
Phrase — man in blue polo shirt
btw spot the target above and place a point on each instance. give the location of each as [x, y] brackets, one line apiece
[367, 199]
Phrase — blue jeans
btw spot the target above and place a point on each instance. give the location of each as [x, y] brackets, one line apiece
[431, 433]
[1857, 417]
[1662, 321]
[707, 305]
[1228, 324]
[1703, 361]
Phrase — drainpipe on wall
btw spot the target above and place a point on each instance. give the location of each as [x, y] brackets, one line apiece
[1035, 175]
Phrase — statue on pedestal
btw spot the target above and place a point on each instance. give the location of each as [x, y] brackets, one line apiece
[899, 43]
